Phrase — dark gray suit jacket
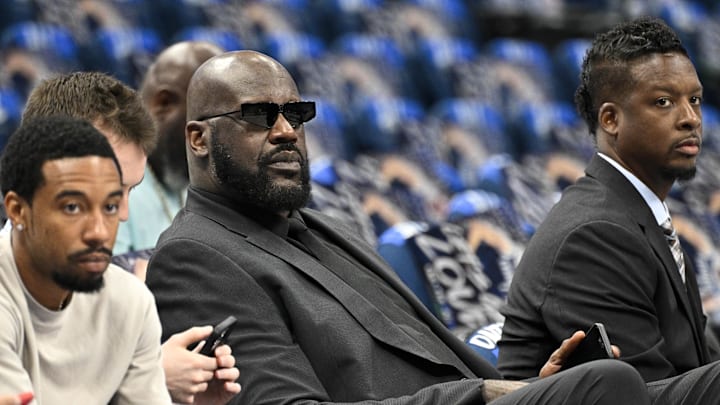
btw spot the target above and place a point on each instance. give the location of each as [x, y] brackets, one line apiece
[303, 335]
[601, 257]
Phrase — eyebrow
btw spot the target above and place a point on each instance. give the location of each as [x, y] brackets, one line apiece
[673, 89]
[75, 193]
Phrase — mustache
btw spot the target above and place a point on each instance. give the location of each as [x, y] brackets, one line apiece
[266, 159]
[77, 255]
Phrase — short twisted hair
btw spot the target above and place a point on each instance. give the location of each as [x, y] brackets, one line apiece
[606, 67]
[98, 98]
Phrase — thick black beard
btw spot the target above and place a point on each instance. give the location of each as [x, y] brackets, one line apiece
[74, 283]
[258, 189]
[681, 174]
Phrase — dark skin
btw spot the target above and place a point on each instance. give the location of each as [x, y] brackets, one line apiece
[69, 227]
[230, 80]
[163, 91]
[655, 129]
[227, 81]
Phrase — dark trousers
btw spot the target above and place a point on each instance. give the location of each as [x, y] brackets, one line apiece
[700, 386]
[601, 382]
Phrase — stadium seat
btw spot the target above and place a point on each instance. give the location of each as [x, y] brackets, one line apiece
[436, 262]
[225, 39]
[54, 44]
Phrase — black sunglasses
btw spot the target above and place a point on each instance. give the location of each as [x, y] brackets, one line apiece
[265, 114]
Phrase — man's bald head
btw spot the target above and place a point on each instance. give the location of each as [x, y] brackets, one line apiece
[260, 164]
[164, 91]
[219, 84]
[176, 64]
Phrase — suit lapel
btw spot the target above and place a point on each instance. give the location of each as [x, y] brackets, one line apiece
[687, 295]
[366, 313]
[374, 321]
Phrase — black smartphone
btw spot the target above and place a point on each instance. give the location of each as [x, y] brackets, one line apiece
[218, 336]
[595, 346]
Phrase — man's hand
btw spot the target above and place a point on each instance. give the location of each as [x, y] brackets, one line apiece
[558, 357]
[223, 386]
[192, 378]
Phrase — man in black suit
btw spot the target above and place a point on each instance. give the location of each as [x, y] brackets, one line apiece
[602, 255]
[321, 318]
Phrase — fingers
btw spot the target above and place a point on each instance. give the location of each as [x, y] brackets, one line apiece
[232, 387]
[558, 357]
[227, 374]
[616, 351]
[567, 346]
[190, 336]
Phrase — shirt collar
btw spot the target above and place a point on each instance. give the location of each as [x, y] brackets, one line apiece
[657, 206]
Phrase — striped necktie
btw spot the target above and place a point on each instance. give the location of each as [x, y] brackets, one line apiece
[675, 248]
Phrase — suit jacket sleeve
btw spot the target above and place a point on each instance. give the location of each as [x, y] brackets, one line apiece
[601, 272]
[195, 284]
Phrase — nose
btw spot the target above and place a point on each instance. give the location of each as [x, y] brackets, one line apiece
[691, 117]
[282, 131]
[98, 228]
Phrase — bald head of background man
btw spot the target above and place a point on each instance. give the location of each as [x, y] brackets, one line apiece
[164, 91]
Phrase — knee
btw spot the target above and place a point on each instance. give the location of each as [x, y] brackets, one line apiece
[614, 380]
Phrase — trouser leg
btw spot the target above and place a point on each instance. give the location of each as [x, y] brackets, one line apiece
[700, 386]
[602, 382]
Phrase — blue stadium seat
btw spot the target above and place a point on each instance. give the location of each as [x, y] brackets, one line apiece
[495, 233]
[339, 197]
[431, 66]
[436, 262]
[327, 130]
[54, 44]
[291, 48]
[125, 52]
[454, 14]
[485, 341]
[527, 54]
[11, 105]
[381, 54]
[551, 127]
[331, 19]
[376, 125]
[711, 127]
[165, 17]
[478, 116]
[567, 58]
[16, 11]
[225, 39]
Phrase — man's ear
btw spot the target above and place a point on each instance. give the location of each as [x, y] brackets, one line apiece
[609, 116]
[197, 136]
[161, 101]
[16, 208]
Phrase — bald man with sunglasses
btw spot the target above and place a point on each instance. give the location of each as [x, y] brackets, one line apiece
[321, 318]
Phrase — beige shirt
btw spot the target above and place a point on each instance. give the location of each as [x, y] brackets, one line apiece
[102, 348]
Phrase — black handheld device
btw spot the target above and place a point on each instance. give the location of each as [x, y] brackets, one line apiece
[218, 336]
[595, 346]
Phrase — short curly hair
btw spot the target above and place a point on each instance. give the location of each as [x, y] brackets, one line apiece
[42, 139]
[607, 63]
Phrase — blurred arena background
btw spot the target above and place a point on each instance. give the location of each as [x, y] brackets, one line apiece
[446, 128]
